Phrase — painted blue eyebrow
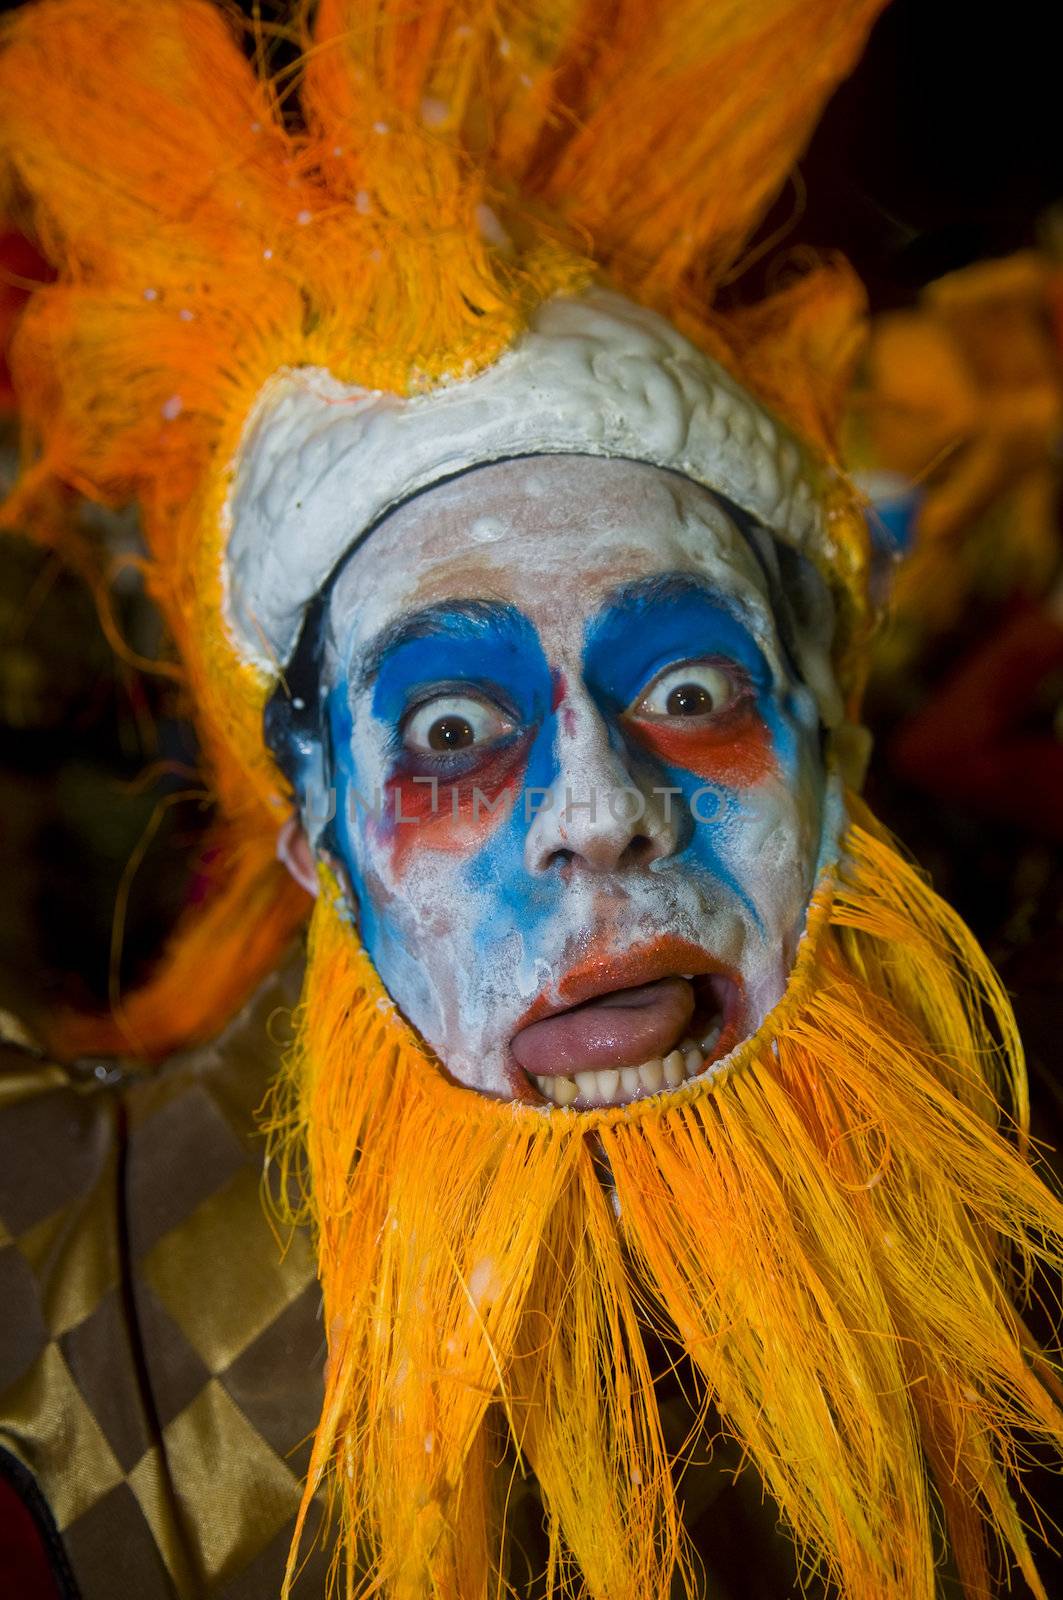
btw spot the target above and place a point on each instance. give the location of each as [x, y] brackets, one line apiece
[477, 641]
[646, 625]
[454, 619]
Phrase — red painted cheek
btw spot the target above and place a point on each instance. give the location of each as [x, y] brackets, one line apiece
[735, 754]
[461, 815]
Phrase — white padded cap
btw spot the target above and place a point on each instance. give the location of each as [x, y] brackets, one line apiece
[321, 462]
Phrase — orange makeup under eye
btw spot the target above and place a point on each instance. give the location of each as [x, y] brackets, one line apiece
[458, 812]
[734, 750]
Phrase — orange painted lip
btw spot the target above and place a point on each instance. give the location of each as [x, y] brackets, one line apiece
[667, 957]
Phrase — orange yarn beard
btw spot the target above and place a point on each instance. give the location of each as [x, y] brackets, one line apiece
[834, 1230]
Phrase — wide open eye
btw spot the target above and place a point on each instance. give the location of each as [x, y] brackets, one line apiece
[453, 722]
[694, 689]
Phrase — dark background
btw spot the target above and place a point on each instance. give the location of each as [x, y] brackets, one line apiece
[945, 145]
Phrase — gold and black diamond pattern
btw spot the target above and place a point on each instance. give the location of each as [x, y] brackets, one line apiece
[161, 1358]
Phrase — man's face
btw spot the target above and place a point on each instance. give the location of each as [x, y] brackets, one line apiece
[577, 785]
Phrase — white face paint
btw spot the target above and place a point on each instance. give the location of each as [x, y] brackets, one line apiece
[571, 758]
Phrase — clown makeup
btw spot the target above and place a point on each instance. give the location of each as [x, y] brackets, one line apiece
[577, 782]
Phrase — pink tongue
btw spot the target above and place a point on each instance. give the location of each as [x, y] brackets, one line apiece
[618, 1030]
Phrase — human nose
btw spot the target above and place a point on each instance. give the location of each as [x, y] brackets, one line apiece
[599, 812]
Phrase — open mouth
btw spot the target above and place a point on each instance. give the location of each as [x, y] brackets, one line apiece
[629, 1040]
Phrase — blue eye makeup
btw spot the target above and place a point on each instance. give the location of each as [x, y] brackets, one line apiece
[650, 625]
[479, 647]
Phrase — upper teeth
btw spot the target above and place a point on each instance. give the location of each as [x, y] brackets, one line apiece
[615, 1086]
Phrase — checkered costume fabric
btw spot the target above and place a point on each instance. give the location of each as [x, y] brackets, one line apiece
[161, 1348]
